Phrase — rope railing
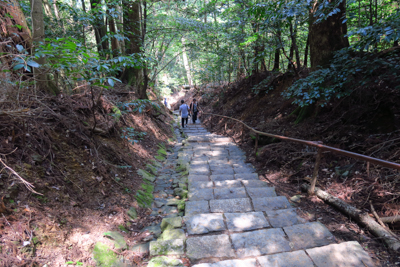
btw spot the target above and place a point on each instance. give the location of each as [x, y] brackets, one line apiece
[318, 144]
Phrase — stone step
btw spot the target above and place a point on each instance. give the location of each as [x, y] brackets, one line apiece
[234, 219]
[344, 254]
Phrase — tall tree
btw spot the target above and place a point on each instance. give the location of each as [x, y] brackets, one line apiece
[328, 35]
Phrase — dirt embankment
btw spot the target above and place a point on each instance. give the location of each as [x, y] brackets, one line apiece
[82, 159]
[366, 122]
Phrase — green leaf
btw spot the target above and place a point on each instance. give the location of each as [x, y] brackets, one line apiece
[18, 66]
[110, 81]
[20, 47]
[33, 64]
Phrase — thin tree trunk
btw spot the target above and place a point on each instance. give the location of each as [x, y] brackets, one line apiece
[306, 51]
[276, 60]
[186, 63]
[115, 47]
[38, 37]
[100, 27]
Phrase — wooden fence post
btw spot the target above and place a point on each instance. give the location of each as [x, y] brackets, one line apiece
[256, 147]
[225, 126]
[242, 133]
[315, 173]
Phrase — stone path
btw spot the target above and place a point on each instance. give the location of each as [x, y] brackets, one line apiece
[233, 219]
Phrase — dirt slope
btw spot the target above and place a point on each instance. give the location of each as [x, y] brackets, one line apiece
[83, 160]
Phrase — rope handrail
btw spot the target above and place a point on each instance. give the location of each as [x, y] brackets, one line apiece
[321, 147]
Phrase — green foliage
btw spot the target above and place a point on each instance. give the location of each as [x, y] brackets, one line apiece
[145, 197]
[162, 152]
[131, 135]
[146, 175]
[349, 71]
[151, 169]
[159, 157]
[137, 105]
[263, 86]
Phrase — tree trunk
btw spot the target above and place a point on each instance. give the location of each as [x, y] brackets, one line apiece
[100, 28]
[186, 63]
[38, 37]
[276, 60]
[12, 15]
[306, 51]
[359, 216]
[115, 47]
[327, 36]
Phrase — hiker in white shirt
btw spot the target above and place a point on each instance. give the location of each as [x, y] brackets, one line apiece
[184, 112]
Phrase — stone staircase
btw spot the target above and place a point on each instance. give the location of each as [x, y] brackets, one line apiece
[233, 219]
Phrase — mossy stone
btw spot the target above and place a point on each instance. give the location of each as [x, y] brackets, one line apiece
[118, 239]
[171, 223]
[132, 213]
[167, 247]
[170, 234]
[103, 255]
[164, 261]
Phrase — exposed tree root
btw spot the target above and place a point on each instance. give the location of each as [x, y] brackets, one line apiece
[359, 216]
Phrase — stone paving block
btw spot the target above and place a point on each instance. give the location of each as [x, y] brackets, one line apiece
[246, 221]
[200, 168]
[200, 185]
[226, 193]
[246, 176]
[219, 164]
[200, 158]
[270, 203]
[230, 205]
[230, 263]
[197, 178]
[260, 242]
[238, 170]
[285, 217]
[168, 247]
[204, 223]
[200, 194]
[223, 171]
[198, 162]
[221, 177]
[309, 235]
[255, 192]
[196, 207]
[216, 246]
[220, 139]
[219, 158]
[199, 171]
[343, 254]
[286, 259]
[227, 184]
[254, 183]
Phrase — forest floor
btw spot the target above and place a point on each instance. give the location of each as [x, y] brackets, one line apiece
[82, 159]
[367, 122]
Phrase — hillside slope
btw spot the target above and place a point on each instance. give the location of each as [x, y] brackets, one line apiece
[366, 122]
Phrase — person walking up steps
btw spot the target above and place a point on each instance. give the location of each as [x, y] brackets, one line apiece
[194, 109]
[184, 112]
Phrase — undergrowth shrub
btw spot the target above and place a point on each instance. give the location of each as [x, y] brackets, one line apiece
[348, 71]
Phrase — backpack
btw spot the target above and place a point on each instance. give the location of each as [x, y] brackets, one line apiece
[195, 107]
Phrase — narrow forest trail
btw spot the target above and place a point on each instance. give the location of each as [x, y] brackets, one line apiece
[234, 219]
